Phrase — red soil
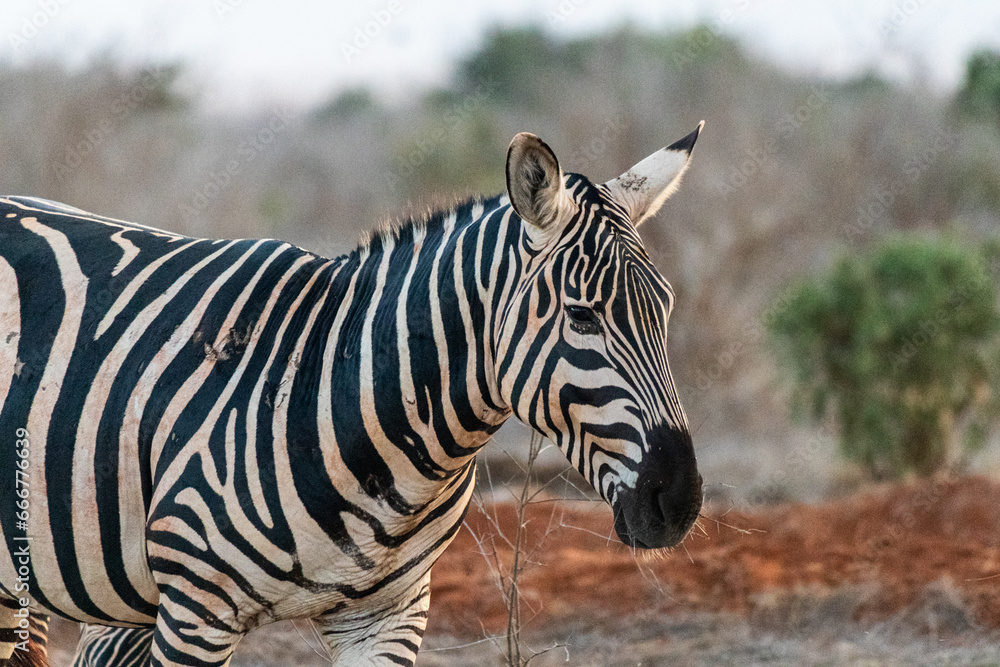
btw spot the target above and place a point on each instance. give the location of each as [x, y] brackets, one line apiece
[893, 541]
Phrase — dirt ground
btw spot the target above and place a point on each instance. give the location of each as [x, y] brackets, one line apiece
[895, 575]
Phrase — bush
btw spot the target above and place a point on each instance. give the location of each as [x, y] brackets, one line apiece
[979, 96]
[900, 347]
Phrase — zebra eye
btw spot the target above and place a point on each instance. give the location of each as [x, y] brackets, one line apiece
[583, 320]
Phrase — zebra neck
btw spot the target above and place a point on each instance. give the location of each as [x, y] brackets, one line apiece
[405, 374]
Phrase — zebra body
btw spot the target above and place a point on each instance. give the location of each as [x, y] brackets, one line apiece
[220, 434]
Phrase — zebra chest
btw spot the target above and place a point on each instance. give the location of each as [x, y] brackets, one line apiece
[288, 528]
[343, 566]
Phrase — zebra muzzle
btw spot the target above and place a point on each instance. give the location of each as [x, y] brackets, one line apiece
[666, 499]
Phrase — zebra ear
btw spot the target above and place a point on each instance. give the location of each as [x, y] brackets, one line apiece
[535, 181]
[643, 188]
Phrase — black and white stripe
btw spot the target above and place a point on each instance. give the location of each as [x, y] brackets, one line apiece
[121, 647]
[226, 433]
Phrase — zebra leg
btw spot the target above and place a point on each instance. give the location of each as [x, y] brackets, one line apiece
[102, 646]
[390, 637]
[23, 636]
[182, 639]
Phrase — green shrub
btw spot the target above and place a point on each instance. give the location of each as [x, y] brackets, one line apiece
[979, 96]
[900, 347]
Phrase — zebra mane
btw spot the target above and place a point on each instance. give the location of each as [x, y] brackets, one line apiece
[403, 231]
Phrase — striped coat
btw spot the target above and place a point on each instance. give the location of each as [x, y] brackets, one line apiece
[218, 434]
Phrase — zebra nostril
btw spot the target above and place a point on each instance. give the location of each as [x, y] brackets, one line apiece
[671, 508]
[664, 509]
[672, 503]
[659, 505]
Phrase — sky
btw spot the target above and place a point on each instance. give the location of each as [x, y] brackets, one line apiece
[298, 53]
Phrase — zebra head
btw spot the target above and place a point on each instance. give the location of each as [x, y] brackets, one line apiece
[581, 354]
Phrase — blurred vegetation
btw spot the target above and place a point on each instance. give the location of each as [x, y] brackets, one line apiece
[900, 346]
[979, 96]
[789, 171]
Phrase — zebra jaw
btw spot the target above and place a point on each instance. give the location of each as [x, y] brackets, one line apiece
[642, 189]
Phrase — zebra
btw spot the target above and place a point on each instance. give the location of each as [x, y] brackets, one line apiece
[101, 645]
[29, 629]
[213, 435]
